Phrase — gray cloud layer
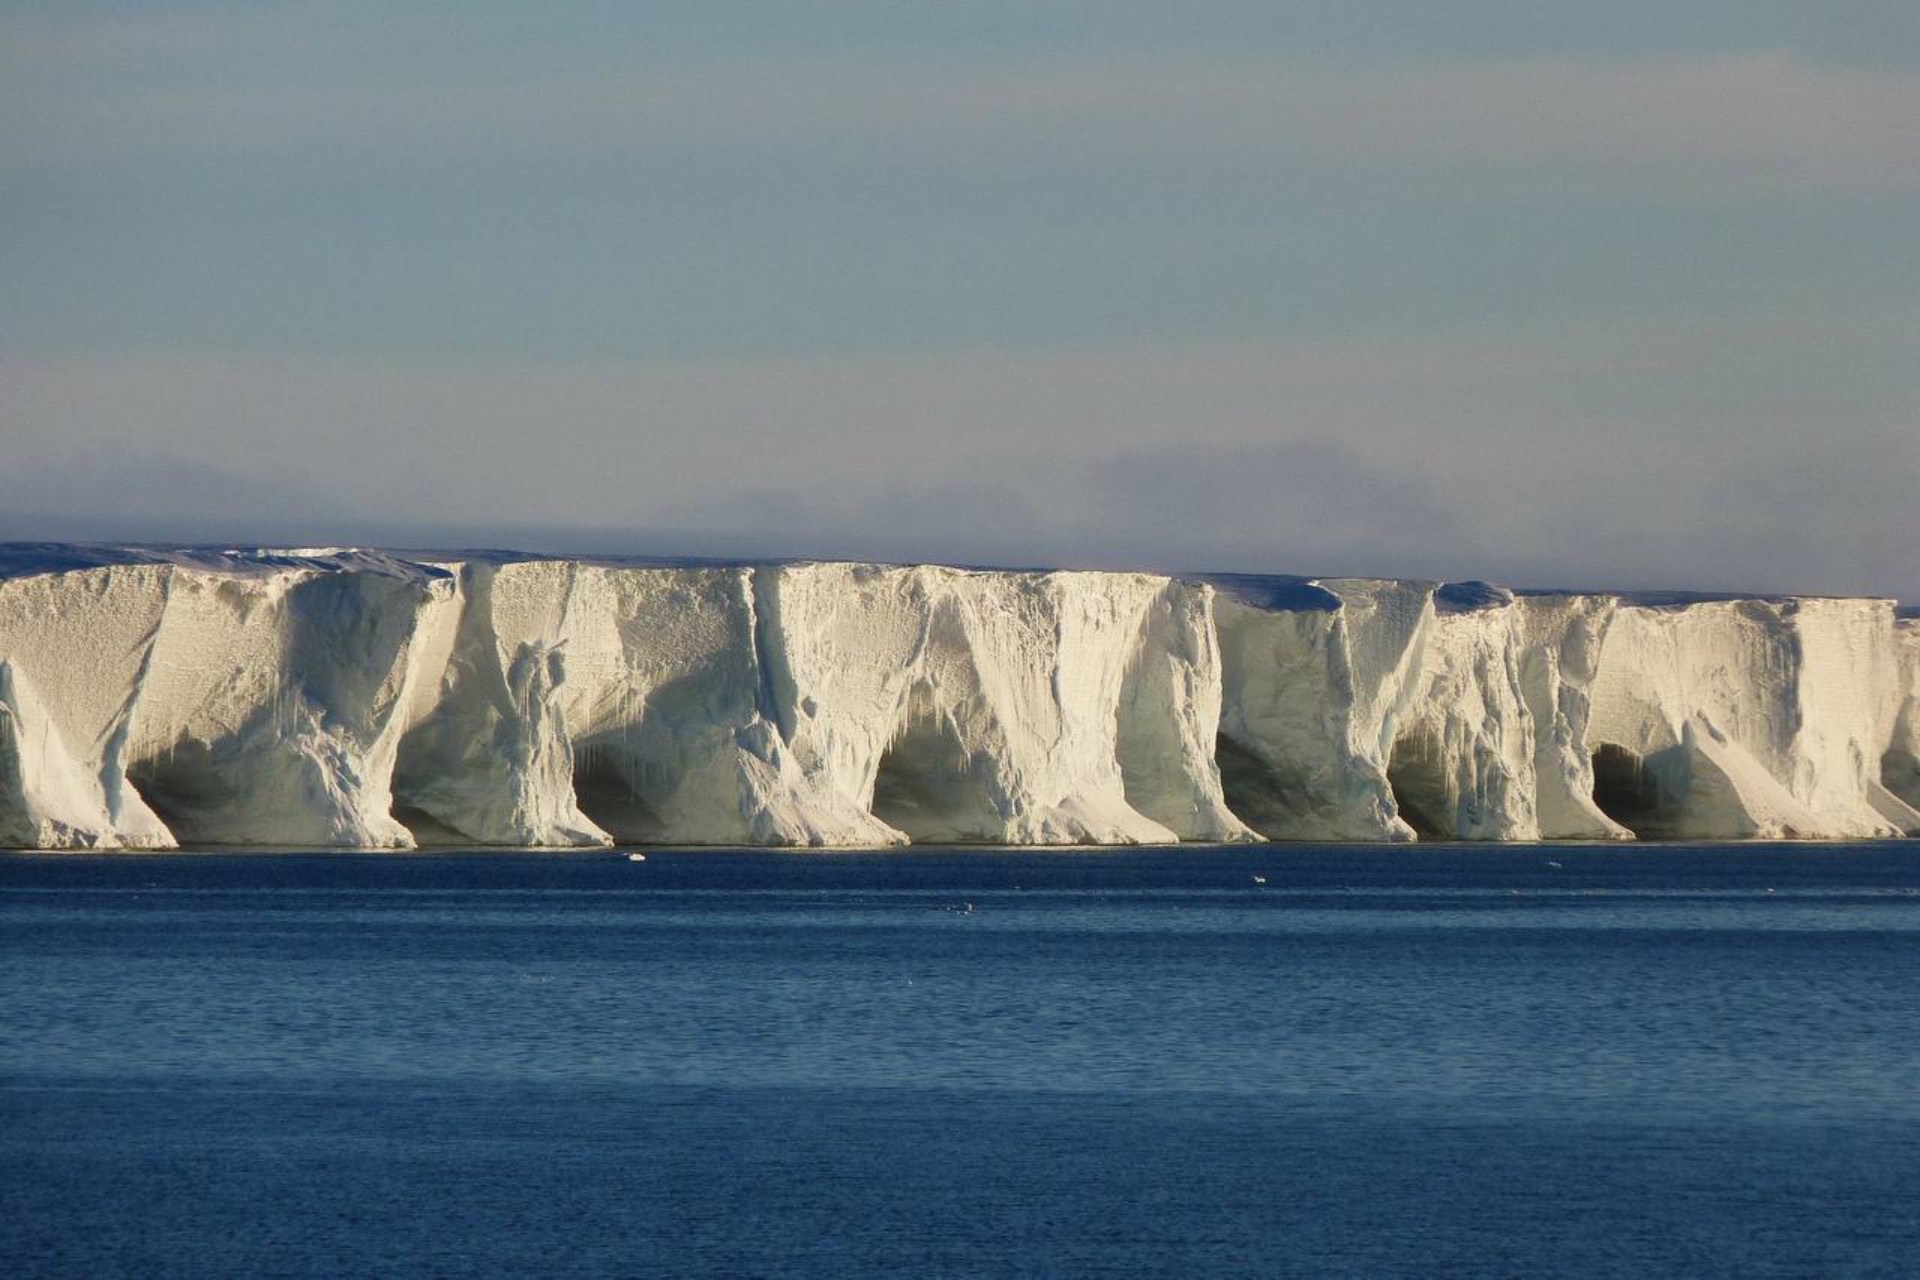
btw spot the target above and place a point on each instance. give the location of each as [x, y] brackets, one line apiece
[1637, 312]
[1823, 520]
[1700, 125]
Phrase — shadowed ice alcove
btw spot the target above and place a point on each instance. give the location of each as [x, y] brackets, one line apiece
[926, 784]
[185, 790]
[1900, 774]
[1252, 788]
[1417, 773]
[1629, 792]
[607, 792]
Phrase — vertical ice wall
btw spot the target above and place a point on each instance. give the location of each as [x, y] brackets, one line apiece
[1368, 710]
[1462, 761]
[816, 704]
[1560, 639]
[1376, 710]
[1169, 718]
[271, 704]
[487, 757]
[1744, 718]
[347, 698]
[237, 701]
[674, 715]
[1899, 797]
[585, 703]
[1316, 679]
[1492, 744]
[74, 649]
[1040, 708]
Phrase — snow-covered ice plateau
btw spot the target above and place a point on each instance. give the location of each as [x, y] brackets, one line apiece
[349, 698]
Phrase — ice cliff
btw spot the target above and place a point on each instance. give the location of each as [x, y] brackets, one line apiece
[339, 697]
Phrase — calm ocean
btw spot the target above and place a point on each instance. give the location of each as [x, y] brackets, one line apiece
[1513, 1061]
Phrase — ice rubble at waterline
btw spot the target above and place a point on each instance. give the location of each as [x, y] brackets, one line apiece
[341, 698]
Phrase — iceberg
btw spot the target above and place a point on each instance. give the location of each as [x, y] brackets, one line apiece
[351, 698]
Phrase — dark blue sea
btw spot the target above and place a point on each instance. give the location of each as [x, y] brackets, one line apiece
[1517, 1061]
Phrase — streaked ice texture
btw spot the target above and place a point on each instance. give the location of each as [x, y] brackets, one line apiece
[349, 698]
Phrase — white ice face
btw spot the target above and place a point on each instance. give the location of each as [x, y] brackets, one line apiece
[347, 698]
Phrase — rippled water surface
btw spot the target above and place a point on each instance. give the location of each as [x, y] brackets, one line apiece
[1514, 1061]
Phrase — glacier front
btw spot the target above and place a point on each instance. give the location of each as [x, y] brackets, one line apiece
[340, 697]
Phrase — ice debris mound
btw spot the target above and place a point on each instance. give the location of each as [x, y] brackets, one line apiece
[350, 698]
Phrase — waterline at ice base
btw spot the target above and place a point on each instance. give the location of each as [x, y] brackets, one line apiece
[153, 698]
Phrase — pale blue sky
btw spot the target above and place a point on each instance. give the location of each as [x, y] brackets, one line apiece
[1597, 295]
